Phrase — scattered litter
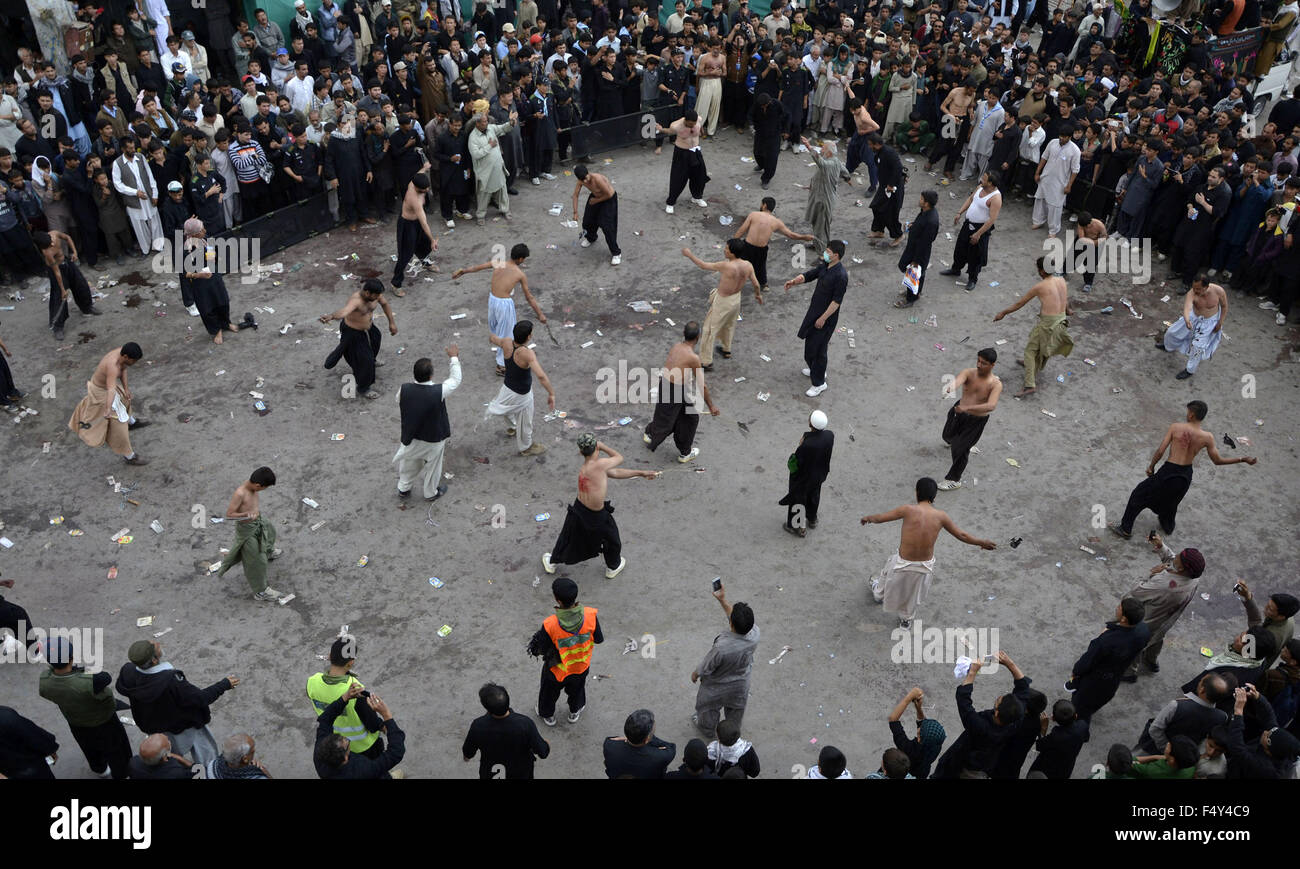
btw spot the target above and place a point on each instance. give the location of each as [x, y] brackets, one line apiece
[156, 526]
[1164, 298]
[1091, 362]
[1109, 309]
[1259, 422]
[537, 580]
[739, 380]
[1244, 441]
[45, 447]
[765, 357]
[363, 561]
[669, 321]
[1013, 463]
[284, 600]
[726, 219]
[444, 631]
[75, 532]
[932, 320]
[938, 347]
[1226, 440]
[630, 646]
[570, 224]
[587, 344]
[1115, 390]
[435, 582]
[144, 621]
[910, 388]
[541, 517]
[219, 373]
[459, 316]
[284, 330]
[1060, 378]
[217, 520]
[337, 436]
[763, 396]
[316, 526]
[112, 572]
[625, 420]
[1207, 651]
[782, 654]
[1000, 341]
[995, 283]
[1048, 413]
[311, 503]
[162, 632]
[1204, 596]
[58, 520]
[556, 209]
[1089, 551]
[1015, 542]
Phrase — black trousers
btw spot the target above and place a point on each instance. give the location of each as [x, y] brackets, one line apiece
[78, 290]
[884, 214]
[87, 234]
[687, 166]
[602, 216]
[1093, 692]
[757, 257]
[446, 201]
[575, 685]
[1161, 493]
[961, 432]
[736, 100]
[216, 319]
[673, 415]
[1191, 249]
[815, 347]
[8, 389]
[809, 501]
[539, 159]
[965, 253]
[105, 746]
[950, 148]
[19, 251]
[360, 349]
[766, 151]
[411, 242]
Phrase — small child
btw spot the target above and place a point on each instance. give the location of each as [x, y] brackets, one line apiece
[1178, 762]
[830, 764]
[730, 750]
[1119, 763]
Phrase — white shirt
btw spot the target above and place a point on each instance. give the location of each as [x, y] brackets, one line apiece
[181, 56]
[448, 386]
[299, 91]
[145, 177]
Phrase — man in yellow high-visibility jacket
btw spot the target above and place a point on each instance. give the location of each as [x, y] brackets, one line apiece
[359, 724]
[565, 644]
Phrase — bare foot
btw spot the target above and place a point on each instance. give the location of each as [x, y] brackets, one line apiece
[1025, 392]
[231, 327]
[658, 150]
[216, 339]
[399, 293]
[876, 235]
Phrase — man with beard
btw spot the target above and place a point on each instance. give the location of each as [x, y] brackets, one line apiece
[346, 169]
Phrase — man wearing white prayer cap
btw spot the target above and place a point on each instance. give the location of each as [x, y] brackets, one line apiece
[809, 465]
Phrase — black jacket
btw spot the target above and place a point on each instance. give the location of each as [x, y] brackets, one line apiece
[1109, 655]
[24, 746]
[359, 766]
[920, 239]
[889, 173]
[812, 465]
[978, 746]
[1058, 750]
[165, 702]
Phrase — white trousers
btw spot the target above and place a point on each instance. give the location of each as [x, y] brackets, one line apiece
[422, 459]
[148, 227]
[708, 103]
[518, 411]
[1045, 212]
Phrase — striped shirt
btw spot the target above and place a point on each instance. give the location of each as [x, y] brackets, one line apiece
[247, 160]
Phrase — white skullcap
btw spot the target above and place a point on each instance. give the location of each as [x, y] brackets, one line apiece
[817, 420]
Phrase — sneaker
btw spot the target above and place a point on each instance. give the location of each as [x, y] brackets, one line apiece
[814, 391]
[537, 182]
[904, 623]
[402, 494]
[137, 461]
[702, 203]
[797, 532]
[950, 272]
[1212, 272]
[546, 563]
[93, 311]
[611, 574]
[442, 490]
[193, 309]
[549, 722]
[574, 716]
[275, 553]
[1183, 375]
[689, 457]
[1087, 288]
[548, 176]
[1119, 532]
[465, 216]
[1280, 319]
[949, 485]
[586, 242]
[807, 372]
[1162, 257]
[1226, 276]
[535, 449]
[617, 259]
[1268, 306]
[668, 209]
[645, 438]
[139, 424]
[268, 594]
[372, 395]
[451, 224]
[974, 451]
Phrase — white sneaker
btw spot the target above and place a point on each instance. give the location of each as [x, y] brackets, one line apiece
[1268, 306]
[1280, 319]
[611, 574]
[268, 594]
[689, 457]
[616, 260]
[586, 242]
[974, 451]
[1087, 288]
[193, 309]
[1212, 272]
[807, 372]
[546, 563]
[949, 485]
[1162, 257]
[668, 208]
[1226, 276]
[537, 182]
[574, 716]
[548, 176]
[702, 203]
[814, 391]
[451, 224]
[549, 722]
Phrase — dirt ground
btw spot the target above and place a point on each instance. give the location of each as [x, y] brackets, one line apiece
[717, 516]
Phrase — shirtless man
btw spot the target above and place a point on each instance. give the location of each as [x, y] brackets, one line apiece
[1050, 336]
[601, 212]
[1198, 332]
[501, 304]
[1163, 490]
[957, 109]
[903, 582]
[1088, 231]
[589, 527]
[514, 400]
[414, 238]
[66, 280]
[980, 389]
[757, 232]
[677, 412]
[688, 162]
[359, 337]
[724, 300]
[864, 125]
[254, 537]
[101, 417]
[708, 76]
